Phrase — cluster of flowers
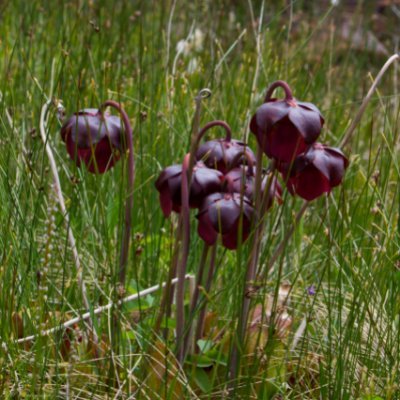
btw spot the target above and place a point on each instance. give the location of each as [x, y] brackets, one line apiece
[287, 130]
[223, 179]
[222, 188]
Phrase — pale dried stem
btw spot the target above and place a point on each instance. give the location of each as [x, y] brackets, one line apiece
[99, 310]
[61, 202]
[350, 130]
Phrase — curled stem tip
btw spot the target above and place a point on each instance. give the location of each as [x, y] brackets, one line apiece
[284, 86]
[204, 94]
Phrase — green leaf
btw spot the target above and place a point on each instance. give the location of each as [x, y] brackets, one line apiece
[205, 345]
[202, 380]
[200, 361]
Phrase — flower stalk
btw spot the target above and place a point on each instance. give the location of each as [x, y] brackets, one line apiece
[180, 289]
[129, 199]
[275, 85]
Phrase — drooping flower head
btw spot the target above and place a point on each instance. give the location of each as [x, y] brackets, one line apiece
[316, 171]
[95, 138]
[169, 183]
[241, 179]
[227, 215]
[285, 128]
[219, 153]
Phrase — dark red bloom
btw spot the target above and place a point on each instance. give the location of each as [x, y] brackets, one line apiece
[239, 176]
[223, 214]
[204, 182]
[315, 172]
[95, 138]
[285, 128]
[220, 153]
[240, 180]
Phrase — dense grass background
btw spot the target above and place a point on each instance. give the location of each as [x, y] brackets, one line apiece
[347, 245]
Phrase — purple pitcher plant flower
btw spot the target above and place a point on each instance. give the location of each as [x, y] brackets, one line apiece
[95, 138]
[227, 215]
[220, 153]
[204, 181]
[285, 128]
[317, 171]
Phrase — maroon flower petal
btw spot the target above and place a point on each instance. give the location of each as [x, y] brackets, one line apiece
[93, 138]
[231, 239]
[168, 173]
[219, 153]
[224, 214]
[114, 130]
[206, 179]
[309, 184]
[204, 182]
[103, 157]
[221, 214]
[72, 150]
[268, 115]
[206, 230]
[307, 122]
[284, 142]
[165, 201]
[238, 180]
[309, 106]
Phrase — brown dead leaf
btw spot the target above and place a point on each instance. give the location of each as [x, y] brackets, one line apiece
[164, 377]
[17, 325]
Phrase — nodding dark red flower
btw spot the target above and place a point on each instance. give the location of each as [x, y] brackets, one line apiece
[204, 182]
[220, 153]
[316, 171]
[225, 214]
[242, 180]
[94, 138]
[285, 128]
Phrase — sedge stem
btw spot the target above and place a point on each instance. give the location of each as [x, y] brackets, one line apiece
[207, 287]
[195, 297]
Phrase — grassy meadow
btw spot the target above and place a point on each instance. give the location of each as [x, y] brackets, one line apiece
[338, 278]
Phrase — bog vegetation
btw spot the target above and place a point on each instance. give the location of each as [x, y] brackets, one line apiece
[199, 200]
